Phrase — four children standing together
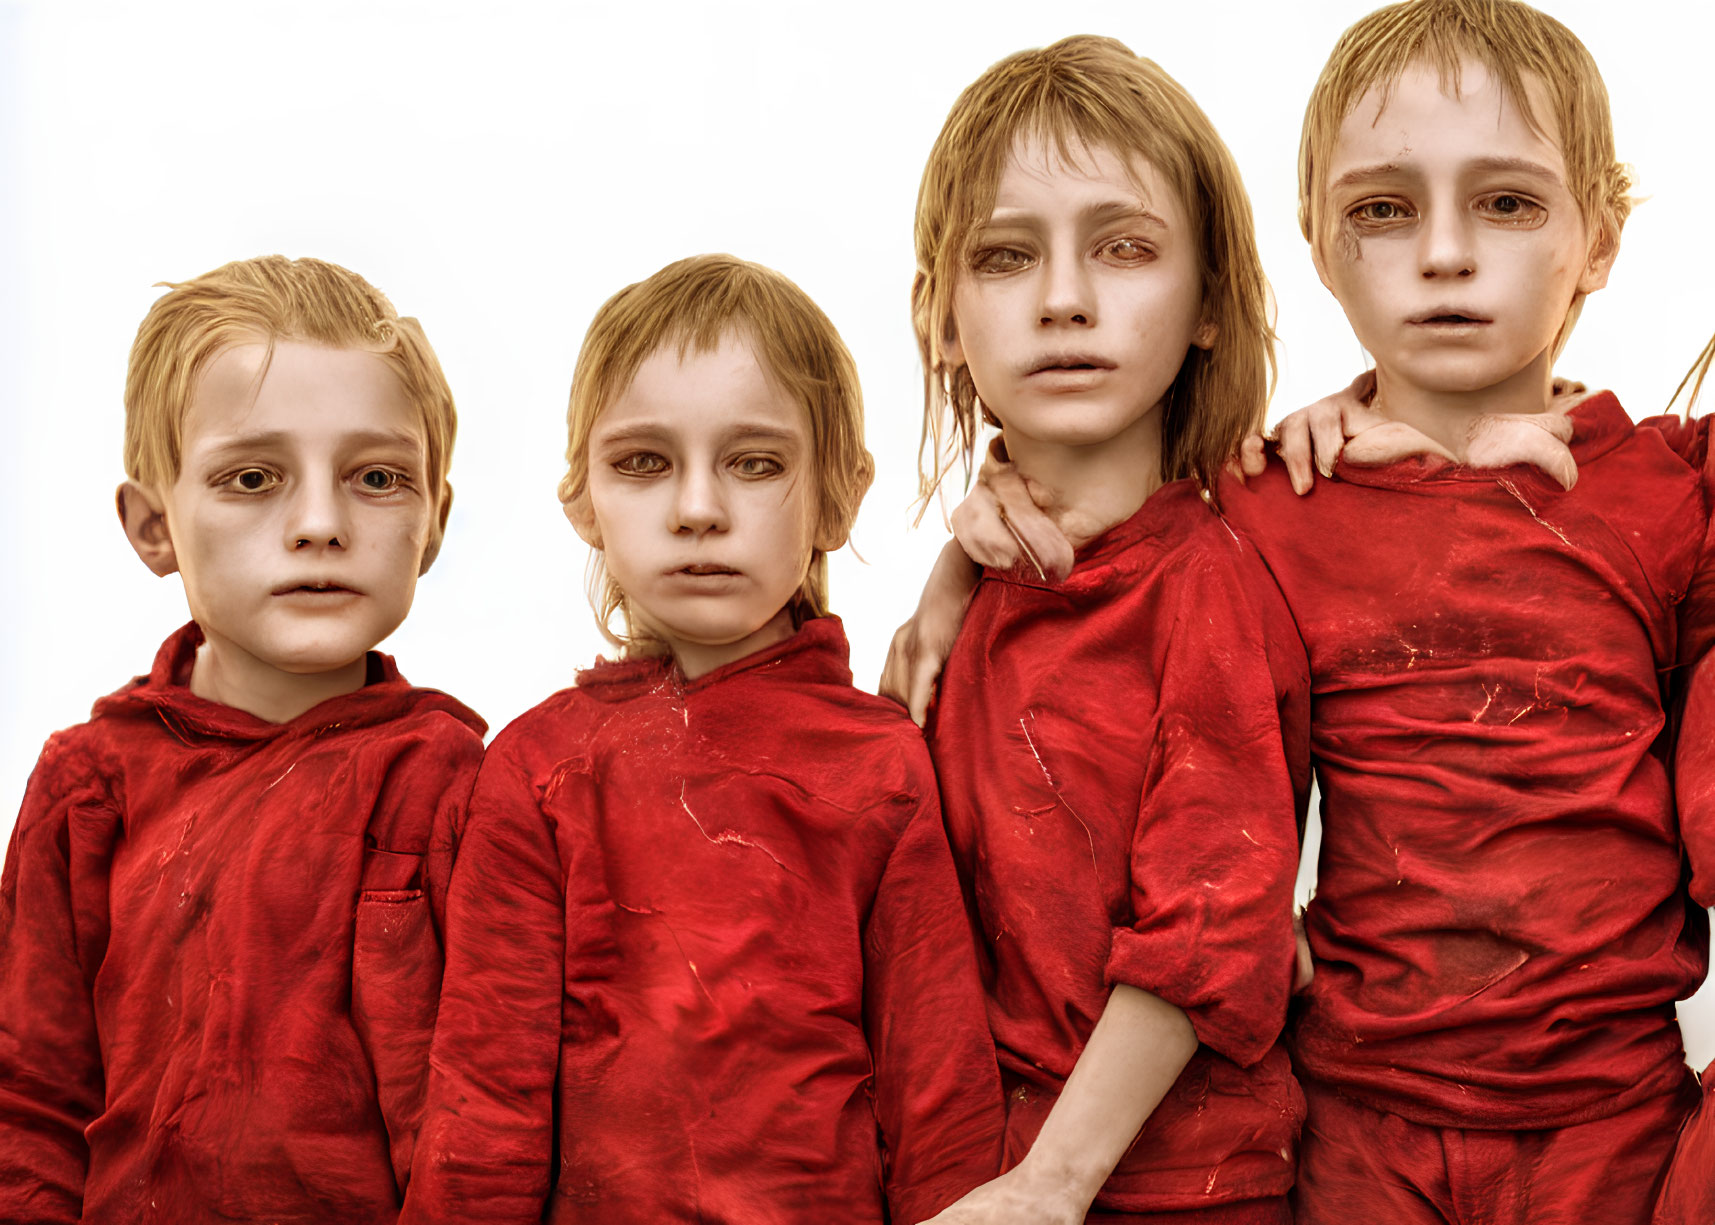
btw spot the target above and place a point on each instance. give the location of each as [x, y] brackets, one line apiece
[724, 940]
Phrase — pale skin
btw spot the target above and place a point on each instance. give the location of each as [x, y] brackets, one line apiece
[1081, 299]
[702, 497]
[302, 515]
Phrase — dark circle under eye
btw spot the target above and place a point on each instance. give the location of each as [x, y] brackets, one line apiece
[252, 479]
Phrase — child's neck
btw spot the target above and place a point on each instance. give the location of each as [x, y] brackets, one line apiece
[234, 678]
[1092, 487]
[1449, 417]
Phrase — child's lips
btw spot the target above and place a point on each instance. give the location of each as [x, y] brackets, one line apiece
[316, 589]
[1448, 317]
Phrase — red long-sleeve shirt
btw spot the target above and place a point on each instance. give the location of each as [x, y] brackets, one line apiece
[1123, 760]
[1499, 924]
[708, 961]
[219, 955]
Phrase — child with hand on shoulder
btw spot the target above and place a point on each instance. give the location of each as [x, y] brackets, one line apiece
[219, 950]
[708, 955]
[1500, 927]
[1123, 753]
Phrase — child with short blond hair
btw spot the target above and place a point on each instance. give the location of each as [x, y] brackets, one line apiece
[708, 959]
[219, 950]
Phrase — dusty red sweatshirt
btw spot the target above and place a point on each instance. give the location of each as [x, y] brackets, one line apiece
[707, 961]
[1499, 924]
[219, 955]
[1123, 761]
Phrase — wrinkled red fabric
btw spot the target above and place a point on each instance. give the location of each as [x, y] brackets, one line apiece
[1123, 761]
[1688, 1191]
[708, 961]
[1362, 1165]
[218, 953]
[1499, 922]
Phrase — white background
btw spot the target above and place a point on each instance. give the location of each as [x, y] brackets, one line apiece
[499, 170]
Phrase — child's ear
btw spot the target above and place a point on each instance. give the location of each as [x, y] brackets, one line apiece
[1204, 336]
[143, 515]
[581, 515]
[829, 538]
[1604, 249]
[438, 532]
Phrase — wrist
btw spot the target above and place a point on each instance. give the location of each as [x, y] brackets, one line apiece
[1054, 1176]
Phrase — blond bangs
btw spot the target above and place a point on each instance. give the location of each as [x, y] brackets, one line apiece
[691, 305]
[261, 301]
[1516, 43]
[1084, 93]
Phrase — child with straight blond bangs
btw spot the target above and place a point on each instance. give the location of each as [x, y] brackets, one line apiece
[1500, 927]
[708, 956]
[219, 948]
[1122, 752]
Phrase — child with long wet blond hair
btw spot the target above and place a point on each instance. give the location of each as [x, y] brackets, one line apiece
[1122, 752]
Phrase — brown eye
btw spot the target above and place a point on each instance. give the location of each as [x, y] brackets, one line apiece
[999, 259]
[1513, 209]
[251, 480]
[640, 463]
[758, 466]
[1128, 251]
[1380, 210]
[379, 480]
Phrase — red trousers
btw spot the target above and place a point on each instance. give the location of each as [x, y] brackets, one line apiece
[1688, 1198]
[1357, 1165]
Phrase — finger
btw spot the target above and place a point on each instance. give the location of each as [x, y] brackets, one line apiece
[1253, 457]
[1039, 541]
[1293, 431]
[1305, 969]
[923, 688]
[894, 684]
[1327, 434]
[981, 529]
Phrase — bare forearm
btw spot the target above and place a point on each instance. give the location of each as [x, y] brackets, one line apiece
[1136, 1052]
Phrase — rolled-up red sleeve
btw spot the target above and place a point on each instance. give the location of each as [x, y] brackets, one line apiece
[937, 1085]
[486, 1149]
[53, 935]
[1215, 853]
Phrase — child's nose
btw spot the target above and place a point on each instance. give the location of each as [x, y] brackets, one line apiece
[1446, 248]
[699, 505]
[318, 518]
[1067, 295]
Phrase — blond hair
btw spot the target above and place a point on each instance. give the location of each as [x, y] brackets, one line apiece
[1694, 379]
[261, 301]
[693, 304]
[1515, 43]
[1097, 93]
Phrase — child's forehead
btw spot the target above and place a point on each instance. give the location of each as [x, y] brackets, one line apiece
[292, 389]
[1047, 169]
[1427, 111]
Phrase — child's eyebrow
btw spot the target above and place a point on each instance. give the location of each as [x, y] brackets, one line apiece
[265, 440]
[1094, 214]
[650, 430]
[1381, 170]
